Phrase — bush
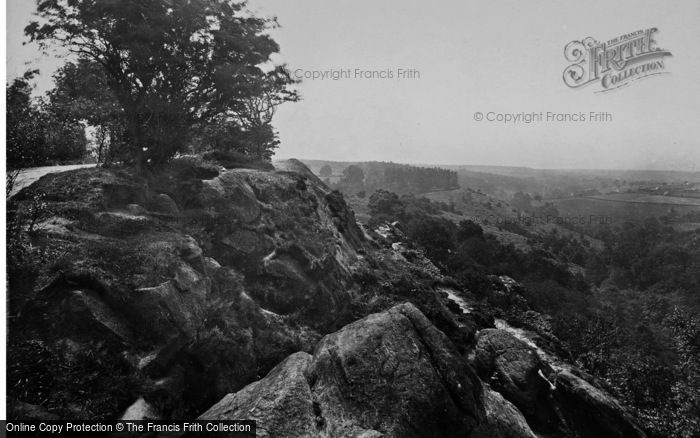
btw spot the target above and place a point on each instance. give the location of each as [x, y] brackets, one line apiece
[22, 255]
[435, 235]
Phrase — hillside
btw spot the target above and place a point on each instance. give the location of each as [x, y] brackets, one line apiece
[617, 284]
[247, 293]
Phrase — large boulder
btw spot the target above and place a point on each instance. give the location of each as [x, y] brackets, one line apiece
[559, 402]
[163, 204]
[591, 411]
[396, 373]
[503, 420]
[515, 370]
[281, 403]
[390, 374]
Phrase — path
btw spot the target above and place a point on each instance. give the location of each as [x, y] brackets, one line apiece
[28, 176]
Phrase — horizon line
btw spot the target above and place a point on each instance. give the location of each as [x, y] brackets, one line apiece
[568, 169]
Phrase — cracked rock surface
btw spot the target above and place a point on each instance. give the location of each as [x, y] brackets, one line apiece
[389, 374]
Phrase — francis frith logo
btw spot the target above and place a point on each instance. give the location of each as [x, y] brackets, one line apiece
[616, 62]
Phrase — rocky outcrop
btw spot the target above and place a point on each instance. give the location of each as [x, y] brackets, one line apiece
[515, 370]
[390, 374]
[281, 403]
[203, 284]
[591, 411]
[559, 401]
[155, 297]
[503, 420]
[187, 285]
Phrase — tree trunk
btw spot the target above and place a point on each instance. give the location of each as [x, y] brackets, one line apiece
[138, 139]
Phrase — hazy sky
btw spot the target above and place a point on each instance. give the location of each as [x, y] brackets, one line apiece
[486, 56]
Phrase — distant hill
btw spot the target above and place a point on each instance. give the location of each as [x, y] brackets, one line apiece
[355, 177]
[555, 183]
[488, 192]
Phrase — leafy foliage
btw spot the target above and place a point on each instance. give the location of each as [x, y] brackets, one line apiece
[82, 93]
[37, 133]
[175, 67]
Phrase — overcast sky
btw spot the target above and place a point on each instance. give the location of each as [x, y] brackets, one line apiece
[472, 56]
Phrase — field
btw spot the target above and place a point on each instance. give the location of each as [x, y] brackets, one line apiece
[646, 198]
[622, 207]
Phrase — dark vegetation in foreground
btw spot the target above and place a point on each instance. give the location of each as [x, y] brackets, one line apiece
[626, 313]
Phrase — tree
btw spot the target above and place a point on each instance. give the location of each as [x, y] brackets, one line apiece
[82, 94]
[36, 133]
[255, 117]
[467, 229]
[352, 180]
[385, 206]
[174, 66]
[25, 137]
[65, 139]
[326, 171]
[353, 174]
[522, 201]
[435, 235]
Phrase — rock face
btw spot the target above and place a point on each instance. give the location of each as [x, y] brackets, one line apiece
[281, 403]
[503, 420]
[591, 411]
[559, 402]
[391, 373]
[176, 279]
[515, 370]
[187, 285]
